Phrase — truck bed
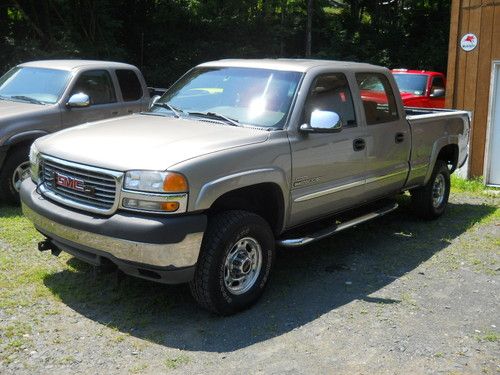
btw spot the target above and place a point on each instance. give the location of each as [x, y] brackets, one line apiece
[431, 129]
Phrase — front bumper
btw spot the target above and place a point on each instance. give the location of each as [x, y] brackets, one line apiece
[159, 248]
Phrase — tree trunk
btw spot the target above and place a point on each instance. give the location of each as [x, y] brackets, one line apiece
[309, 28]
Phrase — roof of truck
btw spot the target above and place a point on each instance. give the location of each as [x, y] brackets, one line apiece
[70, 64]
[296, 65]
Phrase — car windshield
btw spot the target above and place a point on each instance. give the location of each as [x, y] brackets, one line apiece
[258, 97]
[35, 85]
[411, 83]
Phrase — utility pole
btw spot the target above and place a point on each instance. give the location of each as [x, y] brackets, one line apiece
[309, 27]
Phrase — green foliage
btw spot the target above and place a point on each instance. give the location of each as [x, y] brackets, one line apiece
[167, 37]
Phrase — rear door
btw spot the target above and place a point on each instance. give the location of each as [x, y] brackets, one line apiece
[388, 138]
[104, 103]
[131, 90]
[327, 168]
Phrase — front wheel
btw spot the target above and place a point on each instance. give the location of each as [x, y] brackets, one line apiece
[235, 261]
[430, 201]
[15, 170]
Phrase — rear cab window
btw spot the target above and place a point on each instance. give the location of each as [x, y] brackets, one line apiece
[377, 96]
[130, 85]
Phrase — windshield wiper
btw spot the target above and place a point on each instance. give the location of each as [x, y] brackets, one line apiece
[26, 99]
[177, 111]
[217, 116]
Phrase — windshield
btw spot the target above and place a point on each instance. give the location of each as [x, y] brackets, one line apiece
[259, 97]
[411, 83]
[33, 84]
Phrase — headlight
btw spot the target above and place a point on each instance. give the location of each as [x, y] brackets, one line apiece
[156, 182]
[155, 191]
[34, 163]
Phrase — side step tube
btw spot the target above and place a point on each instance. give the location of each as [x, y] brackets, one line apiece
[327, 232]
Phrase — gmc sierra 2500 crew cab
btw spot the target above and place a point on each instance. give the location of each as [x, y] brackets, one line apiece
[239, 156]
[41, 97]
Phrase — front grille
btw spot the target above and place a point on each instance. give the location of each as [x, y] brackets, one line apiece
[100, 194]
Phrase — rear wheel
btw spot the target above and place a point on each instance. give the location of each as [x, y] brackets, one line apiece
[430, 201]
[15, 170]
[234, 264]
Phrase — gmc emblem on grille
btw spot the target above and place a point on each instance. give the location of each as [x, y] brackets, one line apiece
[72, 183]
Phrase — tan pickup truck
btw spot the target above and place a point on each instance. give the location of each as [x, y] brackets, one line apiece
[237, 157]
[41, 97]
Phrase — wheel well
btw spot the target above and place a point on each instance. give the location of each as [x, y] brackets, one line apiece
[449, 154]
[12, 148]
[264, 199]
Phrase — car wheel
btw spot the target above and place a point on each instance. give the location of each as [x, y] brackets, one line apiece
[235, 261]
[15, 170]
[429, 202]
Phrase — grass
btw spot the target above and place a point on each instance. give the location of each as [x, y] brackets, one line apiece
[176, 362]
[473, 185]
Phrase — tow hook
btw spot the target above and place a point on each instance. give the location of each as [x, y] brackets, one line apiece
[48, 245]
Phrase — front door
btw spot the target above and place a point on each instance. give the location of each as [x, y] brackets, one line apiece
[98, 85]
[328, 168]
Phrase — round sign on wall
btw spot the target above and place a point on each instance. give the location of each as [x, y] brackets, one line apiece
[468, 42]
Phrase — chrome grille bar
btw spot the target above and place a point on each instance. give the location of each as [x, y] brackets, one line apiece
[103, 185]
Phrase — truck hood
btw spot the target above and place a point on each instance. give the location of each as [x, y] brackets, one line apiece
[409, 95]
[11, 109]
[145, 141]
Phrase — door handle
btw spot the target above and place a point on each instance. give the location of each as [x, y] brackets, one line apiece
[399, 138]
[130, 111]
[114, 113]
[358, 144]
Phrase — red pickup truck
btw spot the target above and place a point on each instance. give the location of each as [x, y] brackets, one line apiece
[421, 88]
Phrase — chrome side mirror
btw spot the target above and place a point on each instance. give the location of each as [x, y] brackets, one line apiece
[437, 92]
[323, 122]
[79, 100]
[153, 100]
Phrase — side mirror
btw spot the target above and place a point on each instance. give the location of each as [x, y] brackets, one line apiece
[153, 100]
[323, 122]
[79, 100]
[437, 92]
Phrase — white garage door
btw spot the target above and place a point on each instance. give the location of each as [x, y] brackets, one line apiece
[492, 165]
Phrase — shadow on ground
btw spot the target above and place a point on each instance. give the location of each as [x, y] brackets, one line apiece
[306, 284]
[8, 211]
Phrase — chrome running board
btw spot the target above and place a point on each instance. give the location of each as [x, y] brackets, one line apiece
[327, 232]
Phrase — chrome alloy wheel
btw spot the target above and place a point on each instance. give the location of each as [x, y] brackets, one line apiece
[242, 265]
[438, 190]
[21, 173]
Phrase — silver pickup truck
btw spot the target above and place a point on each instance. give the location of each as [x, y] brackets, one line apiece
[41, 97]
[237, 157]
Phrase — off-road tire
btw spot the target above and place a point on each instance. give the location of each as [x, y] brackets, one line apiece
[422, 198]
[15, 158]
[224, 230]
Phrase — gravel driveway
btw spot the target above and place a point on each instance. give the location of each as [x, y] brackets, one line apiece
[392, 296]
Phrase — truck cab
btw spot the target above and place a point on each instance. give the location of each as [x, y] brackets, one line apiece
[421, 88]
[42, 97]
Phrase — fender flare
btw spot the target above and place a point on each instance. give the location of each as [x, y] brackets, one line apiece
[24, 136]
[436, 149]
[214, 189]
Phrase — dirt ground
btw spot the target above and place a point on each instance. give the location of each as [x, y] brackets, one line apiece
[395, 296]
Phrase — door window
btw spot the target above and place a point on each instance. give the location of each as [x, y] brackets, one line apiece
[330, 92]
[378, 98]
[97, 84]
[437, 83]
[129, 85]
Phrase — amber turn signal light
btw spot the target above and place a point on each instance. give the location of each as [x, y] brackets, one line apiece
[175, 183]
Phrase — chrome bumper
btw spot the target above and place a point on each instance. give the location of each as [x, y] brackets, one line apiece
[170, 249]
[182, 254]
